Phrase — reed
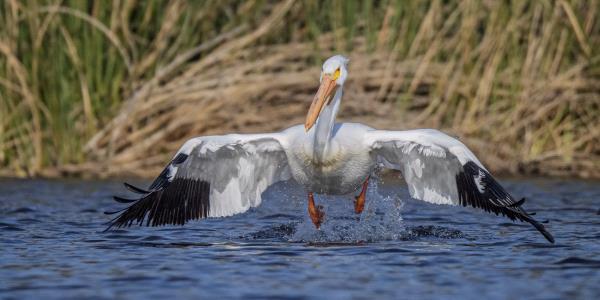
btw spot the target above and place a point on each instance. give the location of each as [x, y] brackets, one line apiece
[114, 88]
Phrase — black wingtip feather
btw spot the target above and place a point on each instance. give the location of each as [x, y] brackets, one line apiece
[542, 230]
[518, 203]
[181, 157]
[493, 197]
[114, 212]
[135, 189]
[123, 200]
[173, 203]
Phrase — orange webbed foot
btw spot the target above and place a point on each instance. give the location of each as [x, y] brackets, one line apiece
[359, 202]
[317, 215]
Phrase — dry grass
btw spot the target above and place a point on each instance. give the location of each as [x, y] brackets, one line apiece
[519, 82]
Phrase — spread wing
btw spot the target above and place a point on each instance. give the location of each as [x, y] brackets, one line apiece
[212, 176]
[442, 170]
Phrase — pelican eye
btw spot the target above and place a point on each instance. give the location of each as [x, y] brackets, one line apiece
[336, 74]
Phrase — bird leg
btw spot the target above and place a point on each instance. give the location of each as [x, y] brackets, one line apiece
[316, 212]
[359, 203]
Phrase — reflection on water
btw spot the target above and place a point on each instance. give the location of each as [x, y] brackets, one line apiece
[53, 246]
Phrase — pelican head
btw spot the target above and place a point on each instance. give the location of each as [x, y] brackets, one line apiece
[333, 76]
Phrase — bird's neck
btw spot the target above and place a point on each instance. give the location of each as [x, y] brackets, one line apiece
[324, 127]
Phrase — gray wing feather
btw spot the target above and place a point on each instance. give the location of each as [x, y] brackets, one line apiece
[425, 169]
[238, 173]
[208, 177]
[440, 169]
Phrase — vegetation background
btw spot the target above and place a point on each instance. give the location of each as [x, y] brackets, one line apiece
[113, 88]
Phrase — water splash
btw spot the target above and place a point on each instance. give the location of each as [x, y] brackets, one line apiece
[380, 220]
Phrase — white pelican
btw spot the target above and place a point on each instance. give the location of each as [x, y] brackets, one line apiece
[218, 176]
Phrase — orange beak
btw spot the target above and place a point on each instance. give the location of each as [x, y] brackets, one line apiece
[323, 97]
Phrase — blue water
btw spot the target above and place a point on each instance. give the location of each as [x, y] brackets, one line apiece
[53, 246]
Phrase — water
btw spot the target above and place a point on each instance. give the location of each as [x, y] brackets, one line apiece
[53, 246]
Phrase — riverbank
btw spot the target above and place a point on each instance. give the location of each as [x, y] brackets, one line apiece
[105, 91]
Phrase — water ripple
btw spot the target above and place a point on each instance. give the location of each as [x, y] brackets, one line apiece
[54, 246]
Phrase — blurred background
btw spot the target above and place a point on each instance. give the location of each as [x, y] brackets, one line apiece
[113, 88]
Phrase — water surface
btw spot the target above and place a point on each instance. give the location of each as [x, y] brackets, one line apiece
[53, 246]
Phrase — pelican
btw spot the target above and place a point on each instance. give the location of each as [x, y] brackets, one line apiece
[219, 176]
